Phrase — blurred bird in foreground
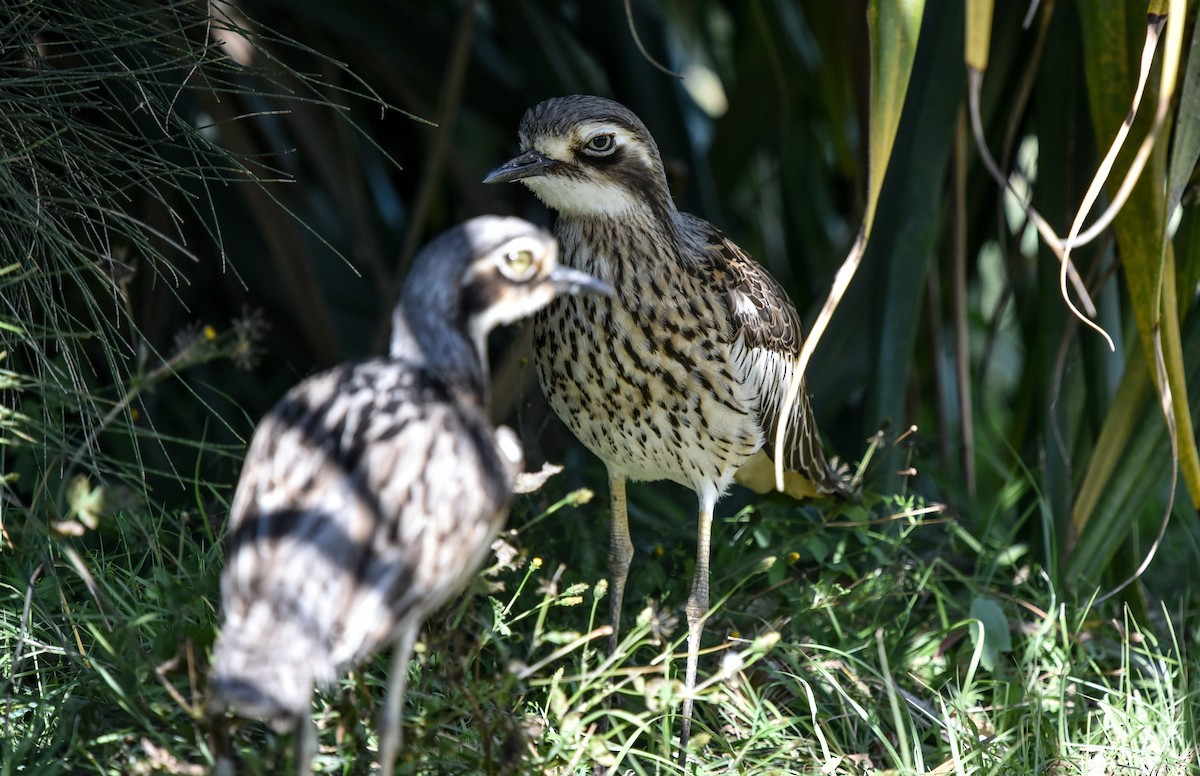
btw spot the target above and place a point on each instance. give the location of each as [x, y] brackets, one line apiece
[681, 374]
[371, 493]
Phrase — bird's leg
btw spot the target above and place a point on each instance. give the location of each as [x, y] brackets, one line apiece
[306, 742]
[391, 726]
[620, 555]
[697, 611]
[222, 747]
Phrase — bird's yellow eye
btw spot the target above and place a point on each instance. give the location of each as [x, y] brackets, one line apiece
[601, 144]
[519, 261]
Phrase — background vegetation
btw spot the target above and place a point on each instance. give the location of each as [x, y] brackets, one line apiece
[202, 203]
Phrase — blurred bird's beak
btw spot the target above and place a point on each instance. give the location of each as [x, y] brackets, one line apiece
[527, 165]
[571, 281]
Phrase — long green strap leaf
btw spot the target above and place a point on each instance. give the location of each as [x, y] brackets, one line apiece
[895, 26]
[1109, 28]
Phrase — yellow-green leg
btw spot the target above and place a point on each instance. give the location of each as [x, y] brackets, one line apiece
[620, 555]
[697, 611]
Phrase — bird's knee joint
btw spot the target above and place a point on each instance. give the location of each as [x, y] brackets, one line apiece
[619, 558]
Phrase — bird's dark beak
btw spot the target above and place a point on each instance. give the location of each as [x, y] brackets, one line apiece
[527, 165]
[571, 281]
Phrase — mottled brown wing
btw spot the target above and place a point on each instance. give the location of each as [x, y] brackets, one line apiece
[763, 315]
[768, 335]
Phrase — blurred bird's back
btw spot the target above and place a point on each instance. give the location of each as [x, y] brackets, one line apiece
[338, 538]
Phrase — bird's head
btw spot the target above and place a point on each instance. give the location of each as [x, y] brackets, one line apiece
[485, 272]
[587, 156]
[516, 272]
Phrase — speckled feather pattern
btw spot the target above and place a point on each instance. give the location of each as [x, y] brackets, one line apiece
[680, 375]
[645, 380]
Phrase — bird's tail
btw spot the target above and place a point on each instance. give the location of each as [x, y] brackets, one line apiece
[265, 668]
[758, 474]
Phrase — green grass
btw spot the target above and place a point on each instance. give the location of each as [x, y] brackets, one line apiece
[852, 646]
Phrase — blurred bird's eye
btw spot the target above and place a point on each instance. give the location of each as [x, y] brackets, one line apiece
[601, 144]
[520, 261]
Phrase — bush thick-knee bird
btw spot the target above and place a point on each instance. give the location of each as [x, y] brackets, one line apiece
[679, 375]
[371, 493]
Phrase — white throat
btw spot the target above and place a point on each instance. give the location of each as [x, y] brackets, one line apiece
[580, 198]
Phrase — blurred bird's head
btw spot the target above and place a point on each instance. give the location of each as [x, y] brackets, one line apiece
[481, 274]
[587, 156]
